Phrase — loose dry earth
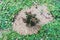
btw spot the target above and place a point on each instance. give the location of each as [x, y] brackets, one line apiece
[42, 14]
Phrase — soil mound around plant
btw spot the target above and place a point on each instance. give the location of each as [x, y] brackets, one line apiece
[42, 14]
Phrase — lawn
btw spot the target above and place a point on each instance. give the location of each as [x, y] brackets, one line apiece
[9, 8]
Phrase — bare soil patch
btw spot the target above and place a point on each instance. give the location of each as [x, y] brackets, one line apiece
[42, 14]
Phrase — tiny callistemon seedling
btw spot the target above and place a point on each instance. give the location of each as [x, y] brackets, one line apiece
[31, 19]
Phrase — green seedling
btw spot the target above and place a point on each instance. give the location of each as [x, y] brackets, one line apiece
[31, 19]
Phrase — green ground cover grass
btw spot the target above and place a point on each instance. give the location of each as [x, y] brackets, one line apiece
[50, 31]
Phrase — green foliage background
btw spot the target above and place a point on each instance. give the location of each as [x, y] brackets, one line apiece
[50, 31]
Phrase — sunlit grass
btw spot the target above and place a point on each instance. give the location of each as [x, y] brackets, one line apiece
[50, 31]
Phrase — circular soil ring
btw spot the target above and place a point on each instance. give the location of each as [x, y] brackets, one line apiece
[42, 14]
